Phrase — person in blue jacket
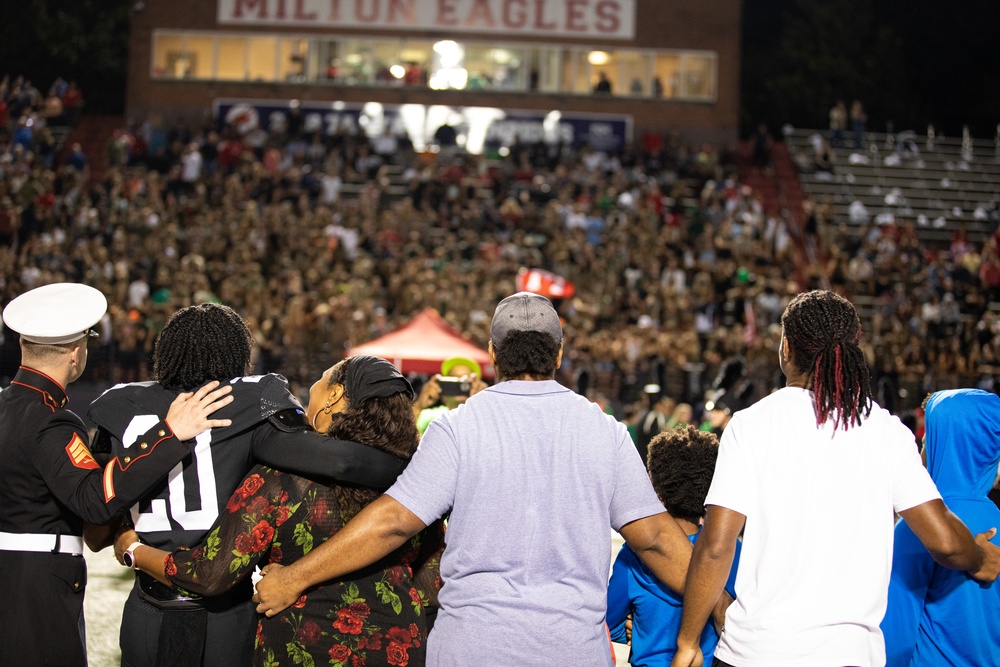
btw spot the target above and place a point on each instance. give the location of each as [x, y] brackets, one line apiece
[681, 463]
[936, 616]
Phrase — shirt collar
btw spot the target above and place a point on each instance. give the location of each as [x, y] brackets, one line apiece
[52, 393]
[528, 387]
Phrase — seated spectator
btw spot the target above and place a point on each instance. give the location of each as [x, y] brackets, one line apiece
[681, 462]
[762, 145]
[824, 158]
[77, 158]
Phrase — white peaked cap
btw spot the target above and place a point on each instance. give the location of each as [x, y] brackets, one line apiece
[55, 314]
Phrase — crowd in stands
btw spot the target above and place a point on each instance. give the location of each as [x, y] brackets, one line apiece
[27, 116]
[678, 269]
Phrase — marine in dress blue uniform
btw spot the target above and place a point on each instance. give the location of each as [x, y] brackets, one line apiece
[50, 483]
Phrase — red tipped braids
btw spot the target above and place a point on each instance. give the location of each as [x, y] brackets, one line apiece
[823, 331]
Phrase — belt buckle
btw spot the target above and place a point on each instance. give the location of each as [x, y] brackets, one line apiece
[164, 597]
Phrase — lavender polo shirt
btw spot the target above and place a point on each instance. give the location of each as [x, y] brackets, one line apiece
[533, 475]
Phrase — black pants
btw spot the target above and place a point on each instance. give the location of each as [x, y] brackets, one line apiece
[229, 640]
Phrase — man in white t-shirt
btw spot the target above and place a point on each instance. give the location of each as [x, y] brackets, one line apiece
[191, 162]
[812, 474]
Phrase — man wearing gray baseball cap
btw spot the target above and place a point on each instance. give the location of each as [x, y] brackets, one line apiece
[531, 476]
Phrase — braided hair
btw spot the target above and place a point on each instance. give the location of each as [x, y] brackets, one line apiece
[823, 331]
[199, 344]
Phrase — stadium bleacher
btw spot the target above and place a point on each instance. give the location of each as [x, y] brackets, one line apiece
[943, 188]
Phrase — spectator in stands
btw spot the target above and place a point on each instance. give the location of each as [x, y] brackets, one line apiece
[654, 419]
[8, 221]
[718, 414]
[762, 145]
[838, 123]
[681, 416]
[935, 615]
[24, 135]
[77, 158]
[824, 157]
[460, 378]
[603, 85]
[859, 122]
[191, 166]
[53, 111]
[72, 101]
[657, 87]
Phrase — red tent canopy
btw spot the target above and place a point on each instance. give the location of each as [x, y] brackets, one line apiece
[422, 344]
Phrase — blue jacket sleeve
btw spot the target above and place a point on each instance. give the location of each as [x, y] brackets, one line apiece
[619, 603]
[912, 569]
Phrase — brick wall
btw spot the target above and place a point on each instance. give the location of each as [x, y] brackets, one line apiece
[711, 25]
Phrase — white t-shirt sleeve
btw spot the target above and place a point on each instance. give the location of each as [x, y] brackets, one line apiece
[911, 484]
[427, 487]
[633, 497]
[732, 483]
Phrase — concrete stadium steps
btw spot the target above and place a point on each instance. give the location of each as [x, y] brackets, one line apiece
[778, 188]
[950, 190]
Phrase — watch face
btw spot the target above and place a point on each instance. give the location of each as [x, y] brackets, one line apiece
[129, 560]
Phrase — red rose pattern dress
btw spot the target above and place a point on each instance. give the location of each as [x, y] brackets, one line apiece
[374, 618]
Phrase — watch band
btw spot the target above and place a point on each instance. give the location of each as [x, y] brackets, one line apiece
[128, 557]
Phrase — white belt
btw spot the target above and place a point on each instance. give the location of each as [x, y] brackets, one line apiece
[68, 544]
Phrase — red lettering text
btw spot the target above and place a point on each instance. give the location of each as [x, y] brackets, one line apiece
[481, 14]
[300, 12]
[512, 20]
[280, 14]
[404, 9]
[608, 15]
[446, 13]
[540, 23]
[366, 17]
[335, 11]
[249, 5]
[574, 15]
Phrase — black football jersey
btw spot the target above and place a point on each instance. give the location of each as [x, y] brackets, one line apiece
[268, 426]
[181, 509]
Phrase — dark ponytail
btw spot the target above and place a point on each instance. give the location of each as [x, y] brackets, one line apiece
[823, 331]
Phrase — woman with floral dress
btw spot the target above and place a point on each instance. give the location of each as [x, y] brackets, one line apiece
[374, 617]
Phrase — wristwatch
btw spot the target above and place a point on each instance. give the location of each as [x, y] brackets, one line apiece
[129, 556]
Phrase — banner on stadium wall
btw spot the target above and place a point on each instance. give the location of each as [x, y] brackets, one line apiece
[477, 128]
[602, 19]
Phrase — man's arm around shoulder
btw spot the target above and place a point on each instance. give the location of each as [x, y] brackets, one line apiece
[951, 544]
[375, 532]
[662, 546]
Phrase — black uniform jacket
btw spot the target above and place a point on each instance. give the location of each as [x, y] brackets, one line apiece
[50, 484]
